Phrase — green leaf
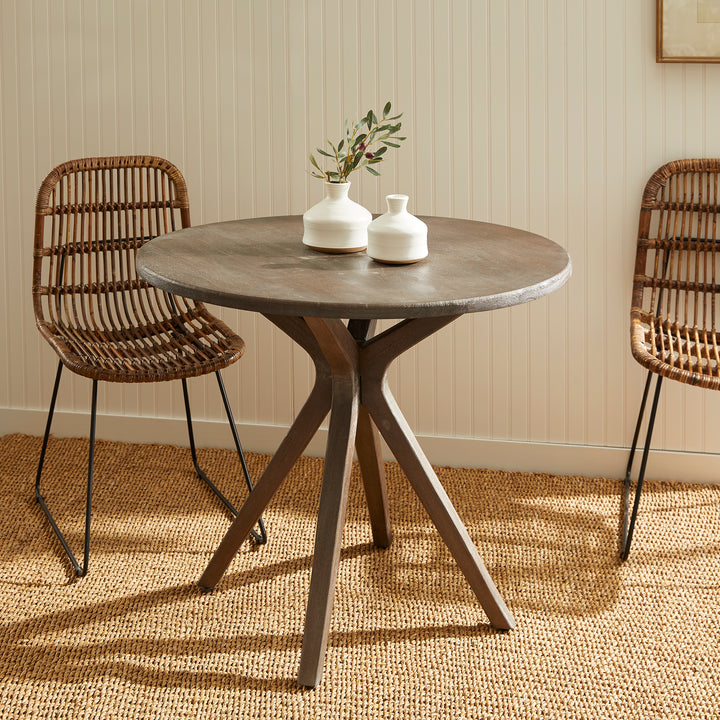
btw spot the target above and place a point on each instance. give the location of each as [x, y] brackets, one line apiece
[380, 151]
[386, 109]
[372, 171]
[390, 144]
[326, 154]
[314, 162]
[340, 145]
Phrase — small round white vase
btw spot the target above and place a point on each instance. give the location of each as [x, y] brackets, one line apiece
[397, 237]
[336, 224]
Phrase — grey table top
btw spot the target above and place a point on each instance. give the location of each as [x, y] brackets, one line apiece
[261, 265]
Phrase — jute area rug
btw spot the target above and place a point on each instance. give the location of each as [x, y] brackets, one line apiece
[137, 639]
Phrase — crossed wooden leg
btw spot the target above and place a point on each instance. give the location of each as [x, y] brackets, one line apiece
[351, 384]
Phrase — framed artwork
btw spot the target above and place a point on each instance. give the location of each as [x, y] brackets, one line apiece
[688, 31]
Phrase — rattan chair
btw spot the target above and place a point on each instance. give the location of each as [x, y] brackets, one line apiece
[676, 290]
[103, 321]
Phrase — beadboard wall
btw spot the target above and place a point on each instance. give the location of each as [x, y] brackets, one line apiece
[548, 115]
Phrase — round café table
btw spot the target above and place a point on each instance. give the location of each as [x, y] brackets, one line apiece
[261, 265]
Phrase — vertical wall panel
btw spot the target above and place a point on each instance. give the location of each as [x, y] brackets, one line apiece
[518, 196]
[545, 114]
[614, 194]
[89, 77]
[459, 200]
[558, 304]
[479, 145]
[227, 100]
[537, 211]
[296, 60]
[577, 150]
[9, 189]
[498, 211]
[635, 111]
[595, 201]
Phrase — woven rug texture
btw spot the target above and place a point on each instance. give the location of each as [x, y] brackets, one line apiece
[136, 638]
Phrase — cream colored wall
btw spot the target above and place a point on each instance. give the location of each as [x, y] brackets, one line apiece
[543, 114]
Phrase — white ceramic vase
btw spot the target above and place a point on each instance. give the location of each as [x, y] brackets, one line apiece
[336, 224]
[397, 237]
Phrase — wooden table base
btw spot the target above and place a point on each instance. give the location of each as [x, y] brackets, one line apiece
[351, 384]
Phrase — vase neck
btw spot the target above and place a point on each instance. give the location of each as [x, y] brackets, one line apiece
[336, 191]
[396, 203]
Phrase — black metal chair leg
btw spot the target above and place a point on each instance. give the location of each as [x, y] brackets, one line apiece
[48, 425]
[91, 466]
[260, 538]
[629, 527]
[80, 571]
[631, 458]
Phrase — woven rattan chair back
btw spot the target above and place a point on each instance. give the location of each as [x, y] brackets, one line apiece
[92, 216]
[676, 286]
[675, 313]
[103, 320]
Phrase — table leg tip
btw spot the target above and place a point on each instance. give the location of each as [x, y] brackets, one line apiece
[308, 683]
[505, 623]
[383, 541]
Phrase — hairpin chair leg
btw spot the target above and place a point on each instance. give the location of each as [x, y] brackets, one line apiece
[629, 527]
[261, 537]
[79, 571]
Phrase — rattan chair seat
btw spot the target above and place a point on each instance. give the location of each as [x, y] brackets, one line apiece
[171, 348]
[680, 352]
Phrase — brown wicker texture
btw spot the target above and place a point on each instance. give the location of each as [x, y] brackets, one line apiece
[102, 319]
[675, 313]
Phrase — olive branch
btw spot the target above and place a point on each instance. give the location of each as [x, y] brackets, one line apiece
[359, 148]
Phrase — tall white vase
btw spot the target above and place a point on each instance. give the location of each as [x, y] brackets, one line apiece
[336, 224]
[397, 237]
